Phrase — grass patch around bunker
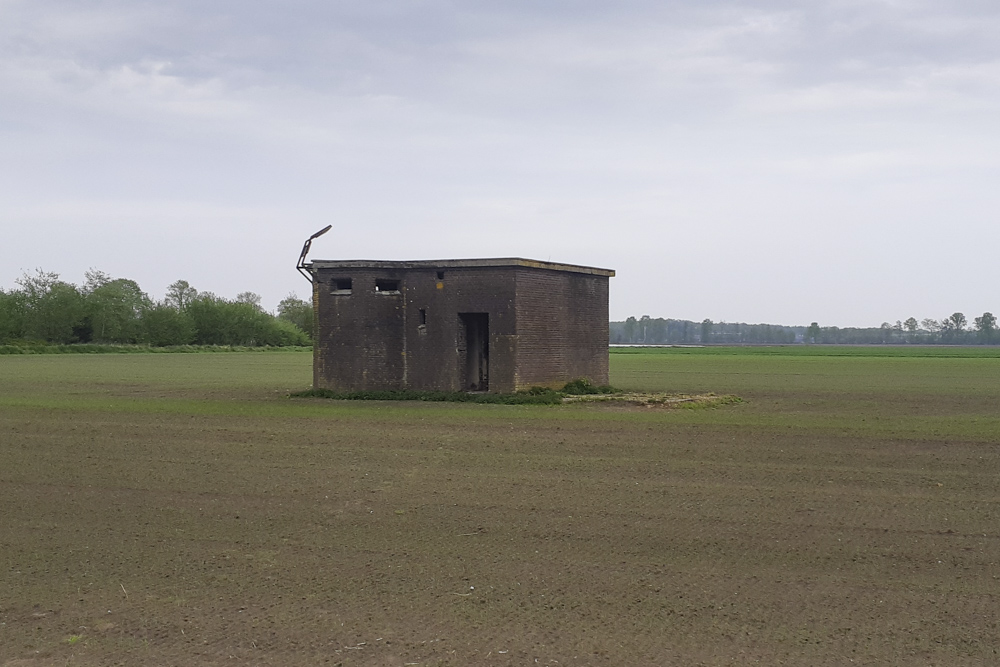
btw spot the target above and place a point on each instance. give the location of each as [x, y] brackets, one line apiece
[577, 391]
[656, 400]
[545, 397]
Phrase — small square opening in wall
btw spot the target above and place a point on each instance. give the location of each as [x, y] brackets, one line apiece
[387, 286]
[440, 275]
[342, 286]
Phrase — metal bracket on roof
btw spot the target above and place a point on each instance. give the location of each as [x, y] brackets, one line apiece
[301, 266]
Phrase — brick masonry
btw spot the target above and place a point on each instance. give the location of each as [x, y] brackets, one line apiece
[547, 324]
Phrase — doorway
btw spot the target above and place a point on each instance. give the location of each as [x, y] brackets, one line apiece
[474, 351]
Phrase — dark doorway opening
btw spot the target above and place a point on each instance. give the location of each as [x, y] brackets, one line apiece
[474, 351]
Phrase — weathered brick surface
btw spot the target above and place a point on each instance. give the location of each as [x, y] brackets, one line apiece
[559, 333]
[546, 325]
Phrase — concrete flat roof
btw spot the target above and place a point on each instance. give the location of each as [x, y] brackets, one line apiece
[318, 264]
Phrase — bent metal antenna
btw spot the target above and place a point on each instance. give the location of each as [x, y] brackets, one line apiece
[301, 266]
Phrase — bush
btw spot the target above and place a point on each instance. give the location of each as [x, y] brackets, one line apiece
[11, 316]
[218, 321]
[298, 312]
[163, 325]
[584, 386]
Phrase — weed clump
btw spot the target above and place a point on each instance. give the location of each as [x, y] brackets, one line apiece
[583, 386]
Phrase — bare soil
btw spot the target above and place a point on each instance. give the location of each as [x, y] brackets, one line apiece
[162, 525]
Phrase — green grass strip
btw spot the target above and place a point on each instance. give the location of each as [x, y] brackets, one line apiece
[930, 351]
[546, 397]
[98, 348]
[532, 396]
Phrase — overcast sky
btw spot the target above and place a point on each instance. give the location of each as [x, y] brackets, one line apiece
[768, 161]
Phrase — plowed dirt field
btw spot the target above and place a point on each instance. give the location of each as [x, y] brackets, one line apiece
[181, 510]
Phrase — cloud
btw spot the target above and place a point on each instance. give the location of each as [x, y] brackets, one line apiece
[637, 135]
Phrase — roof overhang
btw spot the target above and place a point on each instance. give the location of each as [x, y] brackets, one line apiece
[511, 262]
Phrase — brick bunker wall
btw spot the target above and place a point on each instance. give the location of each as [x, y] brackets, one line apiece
[562, 328]
[546, 327]
[433, 358]
[359, 344]
[369, 340]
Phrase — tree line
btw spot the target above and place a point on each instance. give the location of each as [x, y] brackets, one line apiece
[44, 308]
[954, 329]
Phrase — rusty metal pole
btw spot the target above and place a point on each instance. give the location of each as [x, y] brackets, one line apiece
[301, 266]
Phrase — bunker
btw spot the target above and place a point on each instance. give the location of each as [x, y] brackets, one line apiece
[496, 325]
